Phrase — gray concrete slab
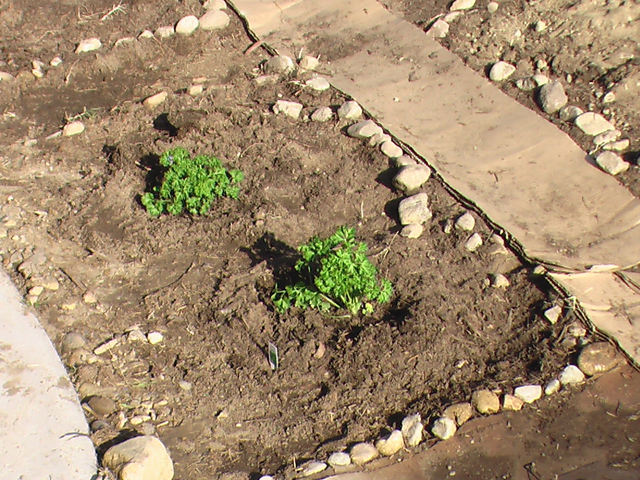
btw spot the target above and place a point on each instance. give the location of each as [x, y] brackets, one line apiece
[43, 431]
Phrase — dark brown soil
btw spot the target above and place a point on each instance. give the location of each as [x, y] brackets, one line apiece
[205, 283]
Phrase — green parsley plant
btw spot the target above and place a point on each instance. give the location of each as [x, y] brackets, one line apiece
[335, 273]
[190, 184]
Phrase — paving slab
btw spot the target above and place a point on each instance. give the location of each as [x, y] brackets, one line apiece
[43, 430]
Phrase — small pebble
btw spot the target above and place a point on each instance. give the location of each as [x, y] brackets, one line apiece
[597, 357]
[319, 84]
[101, 405]
[138, 419]
[146, 34]
[552, 387]
[553, 314]
[404, 161]
[485, 401]
[312, 468]
[89, 45]
[195, 90]
[552, 97]
[444, 428]
[500, 71]
[187, 25]
[165, 32]
[391, 445]
[364, 129]
[290, 109]
[606, 137]
[184, 385]
[339, 459]
[89, 297]
[462, 5]
[280, 64]
[512, 403]
[391, 150]
[540, 26]
[577, 330]
[452, 16]
[473, 243]
[465, 222]
[362, 453]
[155, 100]
[413, 230]
[349, 110]
[72, 341]
[571, 375]
[124, 41]
[593, 123]
[267, 79]
[414, 209]
[609, 97]
[410, 178]
[214, 5]
[611, 163]
[439, 29]
[214, 19]
[526, 84]
[540, 79]
[322, 114]
[136, 335]
[460, 412]
[618, 145]
[412, 429]
[528, 393]
[498, 280]
[492, 7]
[308, 63]
[105, 347]
[6, 77]
[378, 139]
[154, 337]
[73, 128]
[570, 113]
[36, 291]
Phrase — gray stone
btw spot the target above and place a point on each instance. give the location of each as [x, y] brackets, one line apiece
[378, 139]
[511, 403]
[362, 453]
[500, 71]
[6, 77]
[444, 428]
[553, 314]
[322, 114]
[552, 97]
[526, 84]
[498, 280]
[571, 375]
[390, 445]
[349, 110]
[165, 32]
[540, 79]
[319, 84]
[473, 243]
[102, 406]
[606, 137]
[290, 109]
[413, 230]
[72, 341]
[611, 163]
[492, 7]
[460, 412]
[339, 459]
[485, 401]
[414, 209]
[403, 161]
[570, 113]
[618, 145]
[552, 387]
[439, 29]
[364, 129]
[465, 222]
[593, 123]
[540, 26]
[462, 5]
[598, 357]
[140, 458]
[312, 468]
[187, 25]
[214, 19]
[390, 149]
[412, 429]
[528, 393]
[279, 64]
[411, 178]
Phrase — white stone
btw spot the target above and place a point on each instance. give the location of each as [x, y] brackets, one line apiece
[444, 428]
[136, 335]
[414, 209]
[540, 26]
[214, 5]
[165, 32]
[609, 97]
[267, 79]
[140, 458]
[611, 163]
[312, 468]
[319, 84]
[214, 19]
[404, 160]
[308, 63]
[155, 338]
[540, 79]
[500, 71]
[465, 222]
[571, 375]
[89, 45]
[146, 34]
[606, 137]
[322, 114]
[552, 387]
[553, 314]
[349, 110]
[570, 113]
[187, 25]
[290, 109]
[411, 177]
[500, 281]
[453, 16]
[391, 150]
[412, 429]
[124, 41]
[89, 298]
[618, 145]
[339, 459]
[378, 139]
[390, 445]
[5, 77]
[439, 29]
[512, 403]
[362, 453]
[413, 230]
[36, 291]
[279, 64]
[473, 243]
[155, 100]
[552, 97]
[73, 128]
[462, 5]
[593, 123]
[492, 7]
[528, 393]
[364, 129]
[195, 90]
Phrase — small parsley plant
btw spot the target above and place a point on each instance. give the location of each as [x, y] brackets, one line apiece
[335, 273]
[190, 184]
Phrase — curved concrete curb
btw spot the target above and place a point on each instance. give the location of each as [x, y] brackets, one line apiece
[43, 431]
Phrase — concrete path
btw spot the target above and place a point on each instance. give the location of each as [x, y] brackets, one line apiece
[43, 431]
